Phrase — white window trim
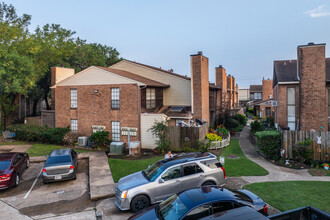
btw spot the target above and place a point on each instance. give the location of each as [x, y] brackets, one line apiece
[74, 98]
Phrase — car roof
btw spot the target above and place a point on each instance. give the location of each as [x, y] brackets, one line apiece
[206, 194]
[7, 156]
[185, 157]
[60, 152]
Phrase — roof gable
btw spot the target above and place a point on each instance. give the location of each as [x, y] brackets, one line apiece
[97, 76]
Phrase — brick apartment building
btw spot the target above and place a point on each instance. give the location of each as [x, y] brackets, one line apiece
[262, 98]
[134, 95]
[301, 89]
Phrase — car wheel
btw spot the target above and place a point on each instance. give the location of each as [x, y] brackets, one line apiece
[139, 203]
[17, 179]
[208, 183]
[27, 163]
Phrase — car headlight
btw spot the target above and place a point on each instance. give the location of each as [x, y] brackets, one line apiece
[124, 194]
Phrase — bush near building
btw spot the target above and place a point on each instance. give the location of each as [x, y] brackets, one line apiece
[39, 134]
[269, 143]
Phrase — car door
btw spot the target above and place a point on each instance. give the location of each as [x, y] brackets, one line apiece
[191, 176]
[168, 183]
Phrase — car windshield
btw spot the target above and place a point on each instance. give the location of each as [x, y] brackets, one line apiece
[4, 164]
[171, 208]
[153, 171]
[58, 159]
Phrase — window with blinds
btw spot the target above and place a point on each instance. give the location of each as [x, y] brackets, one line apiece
[115, 98]
[291, 108]
[150, 98]
[74, 98]
[115, 130]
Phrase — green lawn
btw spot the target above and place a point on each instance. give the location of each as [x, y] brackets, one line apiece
[241, 166]
[121, 168]
[37, 150]
[293, 194]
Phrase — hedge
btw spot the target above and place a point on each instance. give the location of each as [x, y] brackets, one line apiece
[39, 134]
[269, 143]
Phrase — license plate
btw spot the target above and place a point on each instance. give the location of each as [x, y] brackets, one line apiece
[58, 177]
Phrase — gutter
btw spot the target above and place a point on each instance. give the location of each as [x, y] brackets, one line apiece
[290, 82]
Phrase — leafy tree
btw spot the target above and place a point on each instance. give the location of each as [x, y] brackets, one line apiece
[17, 71]
[160, 130]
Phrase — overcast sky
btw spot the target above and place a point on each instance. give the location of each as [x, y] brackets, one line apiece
[243, 36]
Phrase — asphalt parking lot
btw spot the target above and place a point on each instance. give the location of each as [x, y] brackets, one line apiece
[46, 200]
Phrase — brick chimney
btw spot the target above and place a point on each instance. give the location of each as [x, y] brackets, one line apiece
[230, 91]
[58, 74]
[313, 95]
[200, 86]
[267, 89]
[221, 80]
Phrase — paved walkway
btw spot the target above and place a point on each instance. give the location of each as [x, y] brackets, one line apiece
[15, 148]
[276, 173]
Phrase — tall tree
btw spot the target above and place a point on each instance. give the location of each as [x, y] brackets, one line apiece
[17, 71]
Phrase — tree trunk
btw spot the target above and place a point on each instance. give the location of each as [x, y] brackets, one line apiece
[46, 100]
[35, 103]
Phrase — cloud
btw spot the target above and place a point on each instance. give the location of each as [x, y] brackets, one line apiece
[318, 12]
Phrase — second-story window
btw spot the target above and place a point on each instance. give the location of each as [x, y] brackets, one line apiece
[74, 98]
[151, 98]
[115, 98]
[257, 95]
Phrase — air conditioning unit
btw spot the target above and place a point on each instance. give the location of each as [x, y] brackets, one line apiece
[82, 141]
[274, 103]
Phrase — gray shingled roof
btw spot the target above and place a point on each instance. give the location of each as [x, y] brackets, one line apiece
[286, 71]
[255, 88]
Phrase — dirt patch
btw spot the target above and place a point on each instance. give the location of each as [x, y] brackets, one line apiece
[319, 172]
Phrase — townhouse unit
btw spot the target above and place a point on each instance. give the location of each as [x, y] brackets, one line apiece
[262, 98]
[301, 89]
[133, 96]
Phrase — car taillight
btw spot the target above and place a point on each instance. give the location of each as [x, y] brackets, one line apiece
[44, 170]
[265, 209]
[224, 172]
[5, 177]
[71, 167]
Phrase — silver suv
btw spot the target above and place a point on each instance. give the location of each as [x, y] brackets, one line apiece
[166, 177]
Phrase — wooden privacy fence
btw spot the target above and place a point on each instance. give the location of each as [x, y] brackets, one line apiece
[181, 137]
[291, 138]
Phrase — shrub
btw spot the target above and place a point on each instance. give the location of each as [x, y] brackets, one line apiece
[100, 138]
[222, 131]
[160, 130]
[71, 138]
[237, 129]
[250, 110]
[39, 134]
[231, 123]
[269, 143]
[213, 137]
[242, 119]
[53, 135]
[302, 151]
[256, 126]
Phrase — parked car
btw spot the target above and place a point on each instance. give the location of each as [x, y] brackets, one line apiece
[12, 166]
[166, 177]
[202, 202]
[60, 165]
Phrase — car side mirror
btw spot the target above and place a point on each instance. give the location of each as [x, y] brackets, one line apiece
[46, 155]
[161, 180]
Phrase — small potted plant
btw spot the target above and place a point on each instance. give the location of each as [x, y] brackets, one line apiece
[326, 166]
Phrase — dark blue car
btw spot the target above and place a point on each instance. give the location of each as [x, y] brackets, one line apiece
[202, 202]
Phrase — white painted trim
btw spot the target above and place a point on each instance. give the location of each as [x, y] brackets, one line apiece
[291, 82]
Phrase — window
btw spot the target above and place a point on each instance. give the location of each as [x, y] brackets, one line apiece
[199, 212]
[74, 125]
[268, 111]
[257, 95]
[292, 108]
[115, 98]
[115, 131]
[18, 157]
[191, 169]
[178, 122]
[214, 163]
[151, 98]
[172, 173]
[74, 98]
[221, 206]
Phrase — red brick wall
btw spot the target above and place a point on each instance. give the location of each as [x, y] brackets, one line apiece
[267, 89]
[95, 108]
[313, 92]
[230, 92]
[200, 86]
[281, 96]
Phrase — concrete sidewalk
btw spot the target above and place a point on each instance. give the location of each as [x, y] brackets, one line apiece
[9, 212]
[276, 173]
[15, 148]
